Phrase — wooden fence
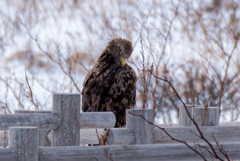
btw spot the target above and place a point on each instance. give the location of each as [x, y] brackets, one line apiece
[29, 136]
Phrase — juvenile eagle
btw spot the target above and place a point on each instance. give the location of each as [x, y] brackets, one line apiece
[111, 84]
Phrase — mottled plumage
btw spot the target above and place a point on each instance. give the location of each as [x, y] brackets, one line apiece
[111, 84]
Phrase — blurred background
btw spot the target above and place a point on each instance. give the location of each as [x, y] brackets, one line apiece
[48, 46]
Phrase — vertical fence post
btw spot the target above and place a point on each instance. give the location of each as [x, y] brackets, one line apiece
[143, 131]
[25, 141]
[67, 106]
[203, 116]
[43, 140]
[206, 116]
[184, 120]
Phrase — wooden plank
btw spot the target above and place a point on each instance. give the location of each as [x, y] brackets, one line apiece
[42, 121]
[7, 154]
[67, 107]
[206, 116]
[221, 133]
[237, 123]
[88, 120]
[120, 136]
[97, 120]
[24, 140]
[184, 120]
[153, 152]
[142, 130]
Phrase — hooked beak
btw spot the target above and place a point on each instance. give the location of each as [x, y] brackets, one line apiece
[123, 61]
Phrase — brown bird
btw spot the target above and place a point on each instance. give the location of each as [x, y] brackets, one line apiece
[111, 84]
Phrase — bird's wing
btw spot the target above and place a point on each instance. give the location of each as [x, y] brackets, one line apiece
[97, 83]
[121, 94]
[123, 89]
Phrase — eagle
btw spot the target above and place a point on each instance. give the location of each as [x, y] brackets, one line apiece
[111, 83]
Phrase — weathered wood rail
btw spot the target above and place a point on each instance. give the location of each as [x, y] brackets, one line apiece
[42, 121]
[146, 152]
[24, 146]
[28, 132]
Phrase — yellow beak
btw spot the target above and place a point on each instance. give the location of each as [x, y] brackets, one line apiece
[123, 61]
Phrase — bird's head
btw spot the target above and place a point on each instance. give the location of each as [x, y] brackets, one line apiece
[121, 49]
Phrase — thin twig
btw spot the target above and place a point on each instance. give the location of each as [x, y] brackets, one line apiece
[31, 93]
[98, 137]
[220, 147]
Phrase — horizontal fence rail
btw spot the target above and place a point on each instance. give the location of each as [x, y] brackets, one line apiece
[188, 134]
[237, 123]
[97, 120]
[153, 152]
[42, 121]
[8, 154]
[51, 121]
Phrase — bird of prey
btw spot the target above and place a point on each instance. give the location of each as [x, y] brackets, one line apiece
[111, 83]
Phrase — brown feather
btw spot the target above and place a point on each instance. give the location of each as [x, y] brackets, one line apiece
[109, 86]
